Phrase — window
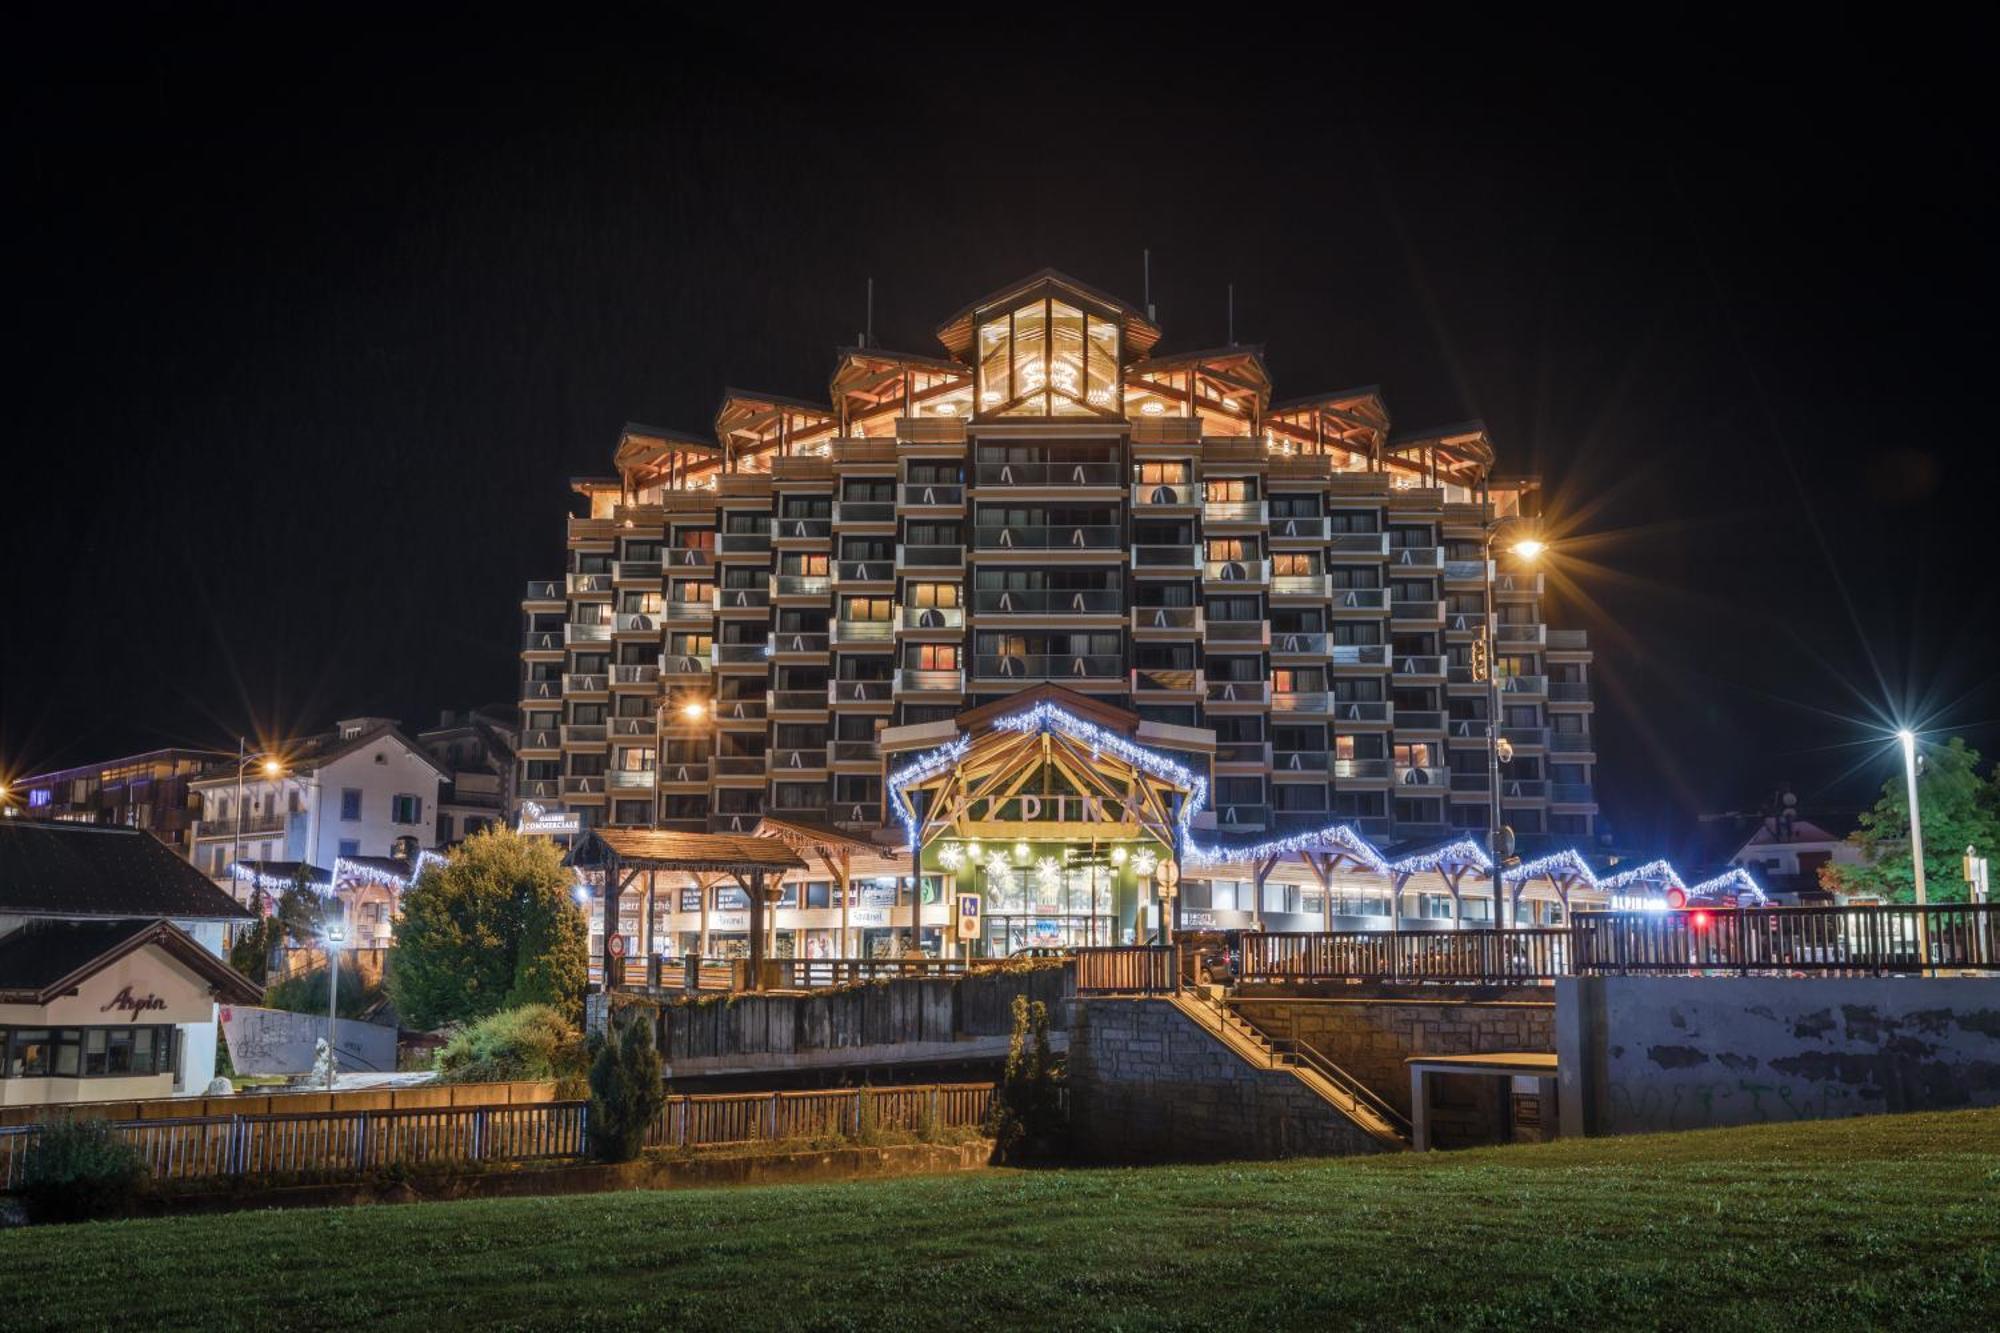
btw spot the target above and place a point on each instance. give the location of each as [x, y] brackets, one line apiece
[86, 1052]
[350, 804]
[406, 809]
[350, 847]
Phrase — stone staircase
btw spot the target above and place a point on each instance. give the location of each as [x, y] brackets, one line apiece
[1326, 1080]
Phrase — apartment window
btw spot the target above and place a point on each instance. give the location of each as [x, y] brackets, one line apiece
[1232, 490]
[935, 594]
[350, 804]
[406, 809]
[86, 1052]
[933, 656]
[349, 847]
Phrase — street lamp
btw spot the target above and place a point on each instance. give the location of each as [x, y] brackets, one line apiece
[1908, 739]
[1501, 838]
[272, 769]
[335, 936]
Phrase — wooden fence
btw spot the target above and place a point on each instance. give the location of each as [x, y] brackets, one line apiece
[1536, 954]
[343, 1143]
[1852, 941]
[1147, 969]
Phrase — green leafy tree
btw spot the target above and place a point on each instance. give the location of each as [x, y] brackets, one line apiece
[1026, 1118]
[491, 929]
[1959, 809]
[255, 943]
[626, 1091]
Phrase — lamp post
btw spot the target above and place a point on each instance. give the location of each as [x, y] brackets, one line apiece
[272, 770]
[1500, 839]
[1908, 740]
[335, 936]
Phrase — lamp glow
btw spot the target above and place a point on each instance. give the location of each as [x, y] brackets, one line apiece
[1528, 548]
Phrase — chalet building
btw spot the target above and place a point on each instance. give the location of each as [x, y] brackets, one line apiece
[110, 965]
[1302, 604]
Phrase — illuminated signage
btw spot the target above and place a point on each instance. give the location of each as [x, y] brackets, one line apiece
[535, 819]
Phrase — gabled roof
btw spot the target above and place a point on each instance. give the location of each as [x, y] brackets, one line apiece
[46, 959]
[1140, 333]
[316, 752]
[974, 720]
[99, 870]
[663, 849]
[808, 833]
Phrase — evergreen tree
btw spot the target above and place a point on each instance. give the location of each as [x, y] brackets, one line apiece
[627, 1090]
[1958, 808]
[492, 928]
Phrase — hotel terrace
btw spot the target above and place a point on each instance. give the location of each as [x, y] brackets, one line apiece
[1069, 611]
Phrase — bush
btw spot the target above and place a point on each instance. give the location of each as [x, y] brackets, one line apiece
[1027, 1117]
[79, 1170]
[533, 1042]
[626, 1092]
[305, 993]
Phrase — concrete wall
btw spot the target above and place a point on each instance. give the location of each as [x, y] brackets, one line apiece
[1640, 1054]
[1149, 1084]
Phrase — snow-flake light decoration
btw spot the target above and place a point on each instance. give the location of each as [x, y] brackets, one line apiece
[998, 866]
[1144, 863]
[1048, 874]
[950, 857]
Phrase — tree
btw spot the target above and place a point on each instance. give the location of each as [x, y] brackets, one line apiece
[255, 943]
[491, 929]
[1958, 809]
[626, 1091]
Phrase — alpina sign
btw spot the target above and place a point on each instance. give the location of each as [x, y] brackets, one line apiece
[125, 1002]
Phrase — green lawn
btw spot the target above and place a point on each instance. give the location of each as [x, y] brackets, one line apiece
[1885, 1222]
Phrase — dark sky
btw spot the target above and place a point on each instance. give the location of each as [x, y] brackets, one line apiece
[308, 325]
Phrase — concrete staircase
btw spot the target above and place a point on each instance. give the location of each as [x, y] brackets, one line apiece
[1326, 1080]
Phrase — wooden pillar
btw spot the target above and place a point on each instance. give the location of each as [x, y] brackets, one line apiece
[704, 888]
[919, 803]
[1323, 873]
[756, 978]
[842, 876]
[1451, 879]
[1263, 873]
[647, 930]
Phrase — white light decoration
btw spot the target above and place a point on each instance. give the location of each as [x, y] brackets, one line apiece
[1653, 872]
[344, 872]
[1333, 838]
[1118, 855]
[998, 866]
[922, 769]
[1152, 407]
[1020, 851]
[1565, 862]
[950, 857]
[1735, 880]
[1464, 854]
[1048, 873]
[1144, 863]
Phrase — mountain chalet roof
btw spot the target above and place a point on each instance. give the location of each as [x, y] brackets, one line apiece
[99, 870]
[45, 959]
[315, 752]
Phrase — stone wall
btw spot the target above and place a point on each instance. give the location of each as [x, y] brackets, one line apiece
[1640, 1054]
[1371, 1037]
[1147, 1083]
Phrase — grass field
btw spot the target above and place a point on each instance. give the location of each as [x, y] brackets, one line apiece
[1885, 1222]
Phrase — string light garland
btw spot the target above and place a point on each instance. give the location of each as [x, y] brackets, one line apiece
[1465, 854]
[1563, 863]
[1653, 872]
[345, 872]
[1736, 877]
[1337, 838]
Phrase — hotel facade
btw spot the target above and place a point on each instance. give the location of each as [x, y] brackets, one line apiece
[1303, 608]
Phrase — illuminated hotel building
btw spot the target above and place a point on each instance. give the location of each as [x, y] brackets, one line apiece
[1287, 596]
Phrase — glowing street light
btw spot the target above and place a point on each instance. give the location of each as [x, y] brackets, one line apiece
[1908, 739]
[1526, 548]
[694, 710]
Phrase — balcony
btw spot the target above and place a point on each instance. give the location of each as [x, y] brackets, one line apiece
[1572, 793]
[931, 617]
[584, 736]
[1528, 687]
[912, 680]
[812, 702]
[1375, 712]
[696, 609]
[576, 785]
[1166, 430]
[1315, 703]
[582, 684]
[1066, 537]
[1479, 783]
[1365, 656]
[797, 761]
[1568, 641]
[740, 654]
[938, 558]
[1243, 754]
[1570, 742]
[735, 821]
[1410, 775]
[635, 572]
[1420, 667]
[1523, 789]
[1314, 529]
[548, 593]
[641, 624]
[1226, 693]
[1229, 512]
[840, 692]
[852, 513]
[1467, 573]
[543, 641]
[1420, 614]
[1048, 601]
[685, 668]
[1245, 572]
[588, 584]
[1526, 738]
[576, 633]
[1179, 559]
[687, 559]
[1166, 621]
[933, 495]
[853, 752]
[540, 789]
[1358, 543]
[738, 766]
[1360, 599]
[863, 633]
[1359, 770]
[544, 742]
[1569, 692]
[930, 430]
[1417, 559]
[1419, 719]
[1518, 587]
[634, 675]
[689, 773]
[797, 531]
[795, 643]
[1286, 643]
[738, 713]
[1050, 474]
[1520, 636]
[743, 543]
[1162, 495]
[740, 601]
[1050, 666]
[1166, 680]
[1317, 587]
[634, 728]
[1239, 635]
[626, 780]
[800, 585]
[856, 814]
[1243, 818]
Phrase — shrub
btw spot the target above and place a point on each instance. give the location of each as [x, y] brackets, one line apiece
[79, 1170]
[626, 1092]
[532, 1042]
[305, 993]
[1027, 1115]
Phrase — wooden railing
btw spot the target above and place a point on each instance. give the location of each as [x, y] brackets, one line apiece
[346, 1143]
[1127, 970]
[820, 973]
[1855, 941]
[1425, 955]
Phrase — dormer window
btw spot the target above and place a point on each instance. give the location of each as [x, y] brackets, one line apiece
[1048, 358]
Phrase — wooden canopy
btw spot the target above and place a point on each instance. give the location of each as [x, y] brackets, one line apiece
[693, 853]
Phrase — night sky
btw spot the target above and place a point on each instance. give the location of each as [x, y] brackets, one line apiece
[309, 326]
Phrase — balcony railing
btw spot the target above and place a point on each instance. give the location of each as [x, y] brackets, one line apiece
[698, 607]
[1244, 752]
[639, 622]
[930, 557]
[734, 712]
[1235, 511]
[1300, 585]
[692, 772]
[1175, 680]
[578, 632]
[544, 590]
[1315, 528]
[1363, 710]
[1048, 601]
[795, 643]
[1239, 635]
[1162, 495]
[916, 495]
[912, 680]
[743, 599]
[583, 784]
[855, 814]
[1359, 655]
[1533, 738]
[540, 789]
[1239, 692]
[740, 654]
[632, 779]
[591, 583]
[1569, 692]
[683, 665]
[635, 571]
[1534, 686]
[848, 572]
[1423, 612]
[541, 738]
[1237, 571]
[797, 701]
[1359, 769]
[1178, 558]
[1535, 635]
[1466, 571]
[1359, 543]
[1419, 664]
[1419, 719]
[738, 765]
[1049, 474]
[1360, 599]
[1049, 666]
[1289, 643]
[931, 617]
[1166, 618]
[800, 585]
[635, 673]
[1572, 793]
[586, 682]
[1301, 701]
[797, 761]
[543, 641]
[860, 691]
[1569, 640]
[687, 559]
[1523, 789]
[1066, 537]
[1416, 775]
[743, 543]
[853, 752]
[864, 511]
[1415, 558]
[863, 631]
[1569, 742]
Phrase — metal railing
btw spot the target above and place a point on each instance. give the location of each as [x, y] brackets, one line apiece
[1537, 954]
[1858, 940]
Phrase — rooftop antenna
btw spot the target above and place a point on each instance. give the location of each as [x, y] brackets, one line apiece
[868, 328]
[1151, 317]
[1232, 314]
